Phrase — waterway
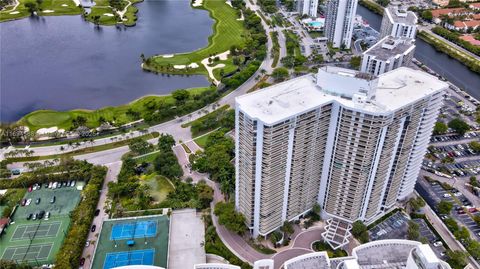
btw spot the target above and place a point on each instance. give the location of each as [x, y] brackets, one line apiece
[446, 66]
[63, 62]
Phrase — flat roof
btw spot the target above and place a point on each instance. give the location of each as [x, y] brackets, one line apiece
[279, 102]
[428, 253]
[409, 19]
[402, 46]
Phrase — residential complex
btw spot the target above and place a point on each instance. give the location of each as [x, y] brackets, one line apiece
[398, 22]
[307, 7]
[339, 22]
[387, 54]
[349, 141]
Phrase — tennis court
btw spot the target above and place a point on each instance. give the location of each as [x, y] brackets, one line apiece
[136, 257]
[37, 252]
[135, 229]
[133, 241]
[38, 230]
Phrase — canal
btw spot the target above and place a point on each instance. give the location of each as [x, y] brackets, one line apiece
[446, 66]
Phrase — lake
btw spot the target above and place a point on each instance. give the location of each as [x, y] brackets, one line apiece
[63, 62]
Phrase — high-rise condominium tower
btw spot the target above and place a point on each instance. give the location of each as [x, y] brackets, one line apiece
[339, 22]
[398, 22]
[307, 7]
[349, 141]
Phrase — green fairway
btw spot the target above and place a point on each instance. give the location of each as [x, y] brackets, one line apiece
[46, 8]
[227, 32]
[159, 187]
[38, 241]
[63, 120]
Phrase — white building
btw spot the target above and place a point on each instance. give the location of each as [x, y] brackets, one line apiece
[340, 16]
[387, 54]
[398, 22]
[307, 7]
[340, 138]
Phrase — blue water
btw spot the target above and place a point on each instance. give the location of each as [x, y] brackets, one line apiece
[316, 24]
[63, 62]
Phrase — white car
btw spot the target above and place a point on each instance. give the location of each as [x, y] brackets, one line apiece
[437, 244]
[458, 194]
[447, 195]
[50, 185]
[47, 215]
[54, 186]
[87, 244]
[28, 201]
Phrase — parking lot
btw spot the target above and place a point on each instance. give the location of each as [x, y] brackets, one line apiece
[393, 227]
[431, 237]
[437, 193]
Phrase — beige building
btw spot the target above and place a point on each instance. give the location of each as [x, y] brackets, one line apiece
[349, 141]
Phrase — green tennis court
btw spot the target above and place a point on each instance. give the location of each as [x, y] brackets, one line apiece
[38, 252]
[40, 230]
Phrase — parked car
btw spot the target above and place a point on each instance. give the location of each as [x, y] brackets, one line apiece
[30, 189]
[24, 201]
[438, 243]
[47, 215]
[41, 214]
[87, 243]
[50, 185]
[34, 216]
[29, 200]
[73, 183]
[94, 227]
[29, 216]
[52, 200]
[38, 200]
[54, 186]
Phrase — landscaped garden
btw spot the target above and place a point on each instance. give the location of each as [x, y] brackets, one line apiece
[42, 7]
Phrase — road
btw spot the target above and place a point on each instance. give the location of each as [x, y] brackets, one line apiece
[112, 173]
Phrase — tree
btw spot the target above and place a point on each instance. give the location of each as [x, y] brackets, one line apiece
[280, 73]
[416, 203]
[79, 121]
[459, 126]
[427, 15]
[287, 228]
[475, 146]
[7, 264]
[360, 231]
[444, 207]
[231, 219]
[181, 96]
[165, 142]
[140, 146]
[413, 231]
[473, 181]
[462, 234]
[457, 258]
[355, 61]
[31, 7]
[440, 128]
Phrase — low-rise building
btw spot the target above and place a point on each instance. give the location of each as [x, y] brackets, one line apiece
[463, 26]
[387, 54]
[437, 14]
[475, 6]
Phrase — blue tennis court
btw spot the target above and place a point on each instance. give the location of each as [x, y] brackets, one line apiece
[137, 229]
[136, 257]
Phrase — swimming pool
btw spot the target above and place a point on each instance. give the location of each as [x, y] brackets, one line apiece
[315, 24]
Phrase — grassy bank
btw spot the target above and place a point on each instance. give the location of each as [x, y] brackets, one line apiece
[44, 8]
[440, 45]
[102, 12]
[373, 6]
[227, 32]
[80, 151]
[118, 114]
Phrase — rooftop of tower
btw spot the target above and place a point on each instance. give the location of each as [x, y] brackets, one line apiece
[399, 14]
[389, 47]
[389, 92]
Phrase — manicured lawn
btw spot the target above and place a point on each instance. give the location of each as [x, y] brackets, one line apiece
[228, 31]
[201, 141]
[104, 19]
[160, 186]
[58, 6]
[49, 118]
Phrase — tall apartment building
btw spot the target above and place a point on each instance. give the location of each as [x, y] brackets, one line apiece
[339, 21]
[387, 54]
[307, 7]
[349, 141]
[398, 22]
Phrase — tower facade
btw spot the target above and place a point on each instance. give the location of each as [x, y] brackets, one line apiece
[398, 22]
[339, 22]
[307, 7]
[340, 138]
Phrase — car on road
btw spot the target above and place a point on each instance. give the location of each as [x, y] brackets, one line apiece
[16, 172]
[38, 200]
[82, 261]
[438, 243]
[29, 200]
[87, 244]
[94, 227]
[97, 212]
